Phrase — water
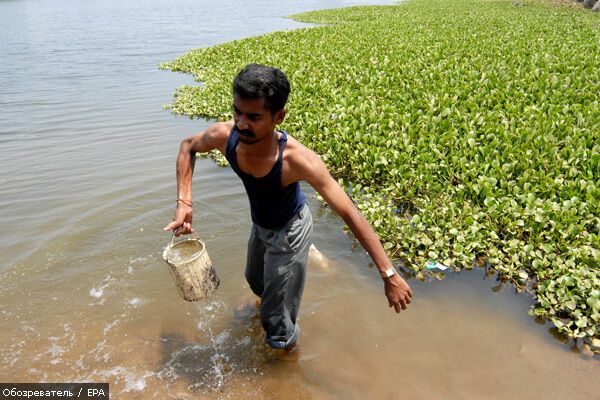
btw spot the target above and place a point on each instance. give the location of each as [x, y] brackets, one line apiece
[184, 251]
[87, 183]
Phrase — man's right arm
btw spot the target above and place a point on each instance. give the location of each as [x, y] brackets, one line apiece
[214, 137]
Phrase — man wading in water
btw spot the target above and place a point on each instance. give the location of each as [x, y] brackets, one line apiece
[271, 164]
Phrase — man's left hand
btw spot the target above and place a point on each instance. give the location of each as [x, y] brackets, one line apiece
[398, 292]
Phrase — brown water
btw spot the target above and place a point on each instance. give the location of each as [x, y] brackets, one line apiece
[87, 183]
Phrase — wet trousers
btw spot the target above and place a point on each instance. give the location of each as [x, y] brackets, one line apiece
[276, 272]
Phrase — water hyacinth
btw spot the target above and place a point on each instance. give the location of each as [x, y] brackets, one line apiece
[463, 129]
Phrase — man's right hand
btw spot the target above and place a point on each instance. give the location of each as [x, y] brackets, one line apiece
[182, 221]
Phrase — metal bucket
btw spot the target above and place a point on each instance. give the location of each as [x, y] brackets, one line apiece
[191, 268]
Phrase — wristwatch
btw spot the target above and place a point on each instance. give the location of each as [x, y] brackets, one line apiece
[388, 272]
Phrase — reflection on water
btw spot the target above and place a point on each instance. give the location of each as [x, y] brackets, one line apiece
[87, 179]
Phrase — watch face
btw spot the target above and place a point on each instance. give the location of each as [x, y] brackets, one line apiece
[388, 272]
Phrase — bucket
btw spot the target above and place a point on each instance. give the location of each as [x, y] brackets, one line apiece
[191, 268]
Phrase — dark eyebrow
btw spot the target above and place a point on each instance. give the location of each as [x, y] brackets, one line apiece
[251, 115]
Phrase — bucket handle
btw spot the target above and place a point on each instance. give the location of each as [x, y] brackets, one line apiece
[172, 242]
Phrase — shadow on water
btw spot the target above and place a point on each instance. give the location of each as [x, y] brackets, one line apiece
[500, 284]
[208, 360]
[576, 345]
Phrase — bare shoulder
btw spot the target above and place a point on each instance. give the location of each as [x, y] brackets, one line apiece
[301, 163]
[298, 154]
[220, 128]
[219, 133]
[213, 137]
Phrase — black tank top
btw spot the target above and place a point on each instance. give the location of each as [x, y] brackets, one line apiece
[271, 205]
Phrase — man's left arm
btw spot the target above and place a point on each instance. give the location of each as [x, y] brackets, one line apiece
[316, 174]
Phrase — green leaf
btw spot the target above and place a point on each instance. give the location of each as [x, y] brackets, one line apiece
[523, 275]
[557, 323]
[594, 303]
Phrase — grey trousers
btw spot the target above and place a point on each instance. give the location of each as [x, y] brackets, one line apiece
[276, 272]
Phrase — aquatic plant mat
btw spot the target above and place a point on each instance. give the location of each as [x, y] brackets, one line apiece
[466, 131]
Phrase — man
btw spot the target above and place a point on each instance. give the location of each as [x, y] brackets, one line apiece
[271, 164]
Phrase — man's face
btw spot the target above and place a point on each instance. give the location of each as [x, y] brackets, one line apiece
[253, 120]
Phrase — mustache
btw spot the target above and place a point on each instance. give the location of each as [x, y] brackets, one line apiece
[245, 132]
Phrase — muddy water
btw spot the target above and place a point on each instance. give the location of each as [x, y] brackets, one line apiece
[87, 183]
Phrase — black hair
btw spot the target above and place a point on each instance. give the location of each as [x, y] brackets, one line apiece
[260, 82]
